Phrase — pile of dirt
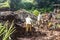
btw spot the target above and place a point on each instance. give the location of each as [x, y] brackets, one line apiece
[19, 19]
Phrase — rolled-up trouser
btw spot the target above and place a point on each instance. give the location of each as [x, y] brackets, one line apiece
[28, 27]
[39, 24]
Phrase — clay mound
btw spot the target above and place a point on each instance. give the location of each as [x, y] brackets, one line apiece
[19, 19]
[20, 14]
[23, 14]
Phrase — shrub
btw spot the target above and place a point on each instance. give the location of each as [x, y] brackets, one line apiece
[36, 12]
[5, 4]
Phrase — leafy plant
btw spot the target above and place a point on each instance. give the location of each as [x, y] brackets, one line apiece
[5, 31]
[5, 4]
[36, 12]
[2, 28]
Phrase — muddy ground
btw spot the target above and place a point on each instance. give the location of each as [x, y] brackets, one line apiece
[21, 34]
[41, 35]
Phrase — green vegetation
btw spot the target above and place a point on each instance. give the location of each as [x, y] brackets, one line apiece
[36, 12]
[5, 32]
[30, 1]
[42, 5]
[5, 4]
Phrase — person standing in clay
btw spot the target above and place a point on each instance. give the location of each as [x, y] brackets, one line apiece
[39, 17]
[39, 21]
[28, 23]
